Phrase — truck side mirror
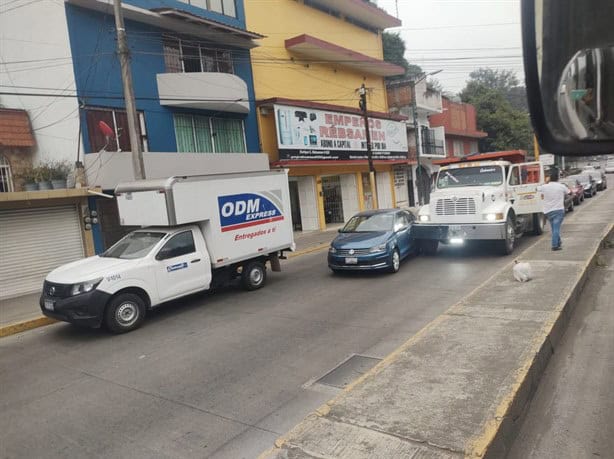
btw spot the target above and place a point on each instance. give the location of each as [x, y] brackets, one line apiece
[568, 56]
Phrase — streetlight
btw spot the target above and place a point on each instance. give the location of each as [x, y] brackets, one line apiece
[414, 108]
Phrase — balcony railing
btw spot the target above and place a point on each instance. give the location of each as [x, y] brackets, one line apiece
[432, 142]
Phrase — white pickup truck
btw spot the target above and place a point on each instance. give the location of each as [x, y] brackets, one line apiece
[490, 196]
[197, 232]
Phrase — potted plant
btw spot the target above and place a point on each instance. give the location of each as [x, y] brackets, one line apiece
[43, 176]
[58, 173]
[29, 177]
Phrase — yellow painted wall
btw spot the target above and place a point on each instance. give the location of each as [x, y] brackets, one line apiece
[279, 20]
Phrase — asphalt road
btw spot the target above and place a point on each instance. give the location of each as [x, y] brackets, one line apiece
[222, 374]
[572, 414]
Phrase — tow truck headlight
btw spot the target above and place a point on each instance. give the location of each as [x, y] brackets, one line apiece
[493, 217]
[378, 248]
[84, 287]
[424, 218]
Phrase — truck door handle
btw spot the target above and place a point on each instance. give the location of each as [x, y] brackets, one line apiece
[195, 261]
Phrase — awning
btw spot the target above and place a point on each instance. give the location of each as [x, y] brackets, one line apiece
[363, 11]
[15, 128]
[319, 50]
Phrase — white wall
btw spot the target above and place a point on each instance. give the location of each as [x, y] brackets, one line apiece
[38, 32]
[349, 194]
[309, 203]
[384, 194]
[400, 190]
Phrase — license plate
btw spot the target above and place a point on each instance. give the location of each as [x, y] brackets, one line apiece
[351, 261]
[49, 305]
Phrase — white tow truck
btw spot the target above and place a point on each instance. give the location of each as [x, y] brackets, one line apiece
[489, 196]
[196, 233]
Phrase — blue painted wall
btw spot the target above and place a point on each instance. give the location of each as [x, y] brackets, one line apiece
[98, 77]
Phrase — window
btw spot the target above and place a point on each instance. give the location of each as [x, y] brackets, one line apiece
[225, 7]
[183, 55]
[6, 179]
[458, 148]
[180, 244]
[400, 222]
[201, 134]
[117, 120]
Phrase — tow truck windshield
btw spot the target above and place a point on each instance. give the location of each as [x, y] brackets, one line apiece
[470, 176]
[134, 245]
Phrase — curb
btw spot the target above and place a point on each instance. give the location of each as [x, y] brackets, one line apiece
[41, 321]
[499, 433]
[18, 327]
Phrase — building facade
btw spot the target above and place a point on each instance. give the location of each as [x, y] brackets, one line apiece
[460, 124]
[315, 56]
[428, 143]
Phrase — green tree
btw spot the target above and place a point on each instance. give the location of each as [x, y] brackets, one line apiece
[394, 52]
[500, 110]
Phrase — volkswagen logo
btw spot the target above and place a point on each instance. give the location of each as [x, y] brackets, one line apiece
[351, 252]
[51, 291]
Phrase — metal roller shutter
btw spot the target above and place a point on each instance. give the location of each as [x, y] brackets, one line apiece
[33, 242]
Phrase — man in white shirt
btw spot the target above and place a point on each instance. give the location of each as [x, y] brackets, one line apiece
[554, 205]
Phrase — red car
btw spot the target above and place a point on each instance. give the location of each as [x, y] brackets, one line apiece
[577, 190]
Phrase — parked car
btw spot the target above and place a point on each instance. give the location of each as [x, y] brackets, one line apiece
[588, 183]
[599, 176]
[576, 188]
[373, 240]
[568, 200]
[609, 166]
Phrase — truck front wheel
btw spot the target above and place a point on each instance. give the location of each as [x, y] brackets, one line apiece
[253, 275]
[124, 313]
[508, 244]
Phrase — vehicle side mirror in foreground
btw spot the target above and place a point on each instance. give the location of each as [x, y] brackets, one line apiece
[568, 50]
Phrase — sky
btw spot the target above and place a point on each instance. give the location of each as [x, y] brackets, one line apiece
[458, 36]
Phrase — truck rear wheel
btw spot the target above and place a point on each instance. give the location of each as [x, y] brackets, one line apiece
[124, 313]
[253, 275]
[508, 244]
[429, 246]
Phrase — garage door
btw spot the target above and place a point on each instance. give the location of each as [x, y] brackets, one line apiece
[34, 242]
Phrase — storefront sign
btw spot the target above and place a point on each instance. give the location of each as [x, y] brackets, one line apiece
[399, 177]
[308, 134]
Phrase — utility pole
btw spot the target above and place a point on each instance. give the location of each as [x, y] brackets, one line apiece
[414, 111]
[363, 106]
[133, 121]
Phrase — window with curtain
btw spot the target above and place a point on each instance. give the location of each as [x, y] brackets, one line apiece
[117, 120]
[201, 134]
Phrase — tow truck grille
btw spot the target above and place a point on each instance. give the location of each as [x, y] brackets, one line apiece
[460, 206]
[56, 290]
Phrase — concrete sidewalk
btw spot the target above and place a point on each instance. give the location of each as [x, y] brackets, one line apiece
[23, 313]
[459, 387]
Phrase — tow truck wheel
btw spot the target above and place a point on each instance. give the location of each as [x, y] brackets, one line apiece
[539, 223]
[429, 246]
[507, 245]
[253, 275]
[124, 313]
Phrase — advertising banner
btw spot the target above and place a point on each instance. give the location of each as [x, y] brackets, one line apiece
[309, 134]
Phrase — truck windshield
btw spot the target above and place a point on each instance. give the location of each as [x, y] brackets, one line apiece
[134, 245]
[368, 223]
[470, 176]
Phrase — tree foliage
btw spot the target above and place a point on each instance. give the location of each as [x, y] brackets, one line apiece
[501, 109]
[394, 52]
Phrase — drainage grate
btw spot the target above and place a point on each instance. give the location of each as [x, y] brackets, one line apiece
[348, 371]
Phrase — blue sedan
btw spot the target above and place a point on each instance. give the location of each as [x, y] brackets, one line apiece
[375, 239]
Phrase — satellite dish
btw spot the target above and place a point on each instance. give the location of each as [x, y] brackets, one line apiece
[106, 129]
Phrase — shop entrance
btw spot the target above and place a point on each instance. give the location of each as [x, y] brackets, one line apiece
[333, 202]
[295, 206]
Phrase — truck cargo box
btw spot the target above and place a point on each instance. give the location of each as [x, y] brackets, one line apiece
[241, 215]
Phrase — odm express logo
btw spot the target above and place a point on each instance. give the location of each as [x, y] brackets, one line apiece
[249, 209]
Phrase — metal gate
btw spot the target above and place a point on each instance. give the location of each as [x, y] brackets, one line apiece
[333, 202]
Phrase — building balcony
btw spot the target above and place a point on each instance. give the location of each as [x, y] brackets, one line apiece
[433, 142]
[319, 50]
[223, 92]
